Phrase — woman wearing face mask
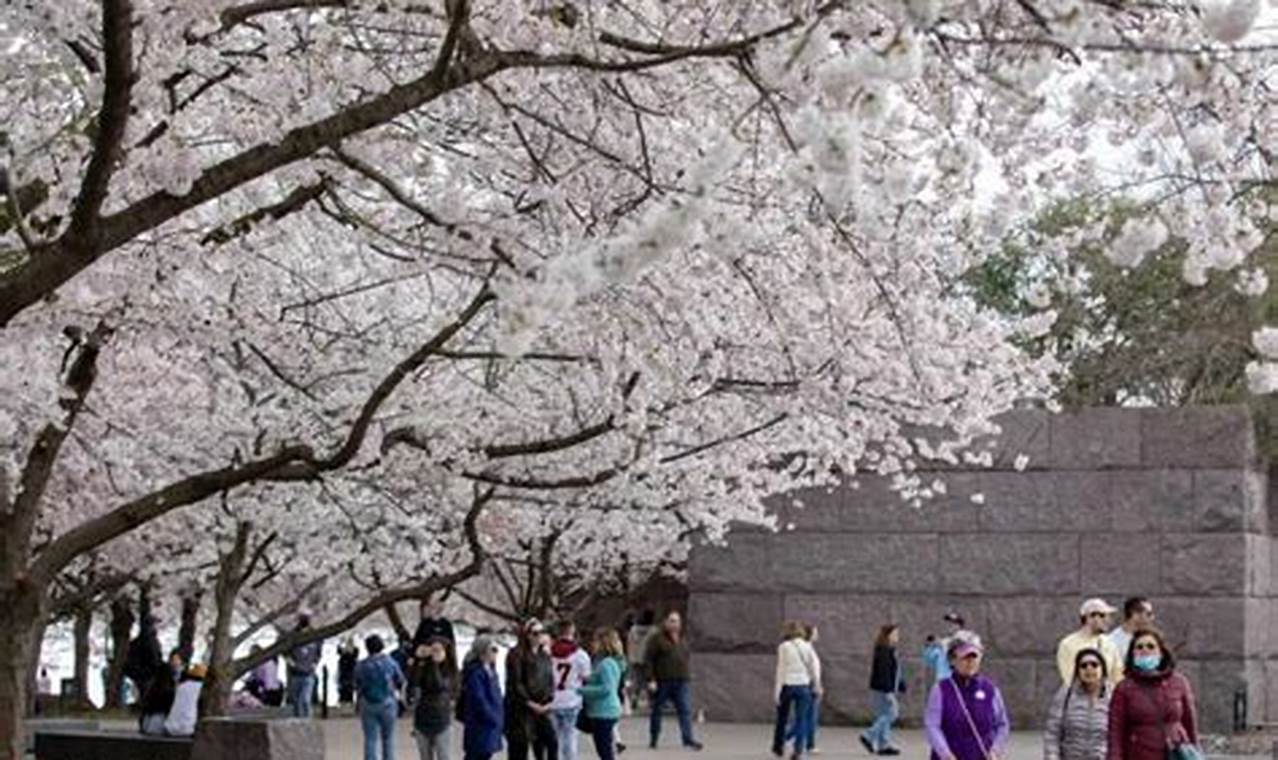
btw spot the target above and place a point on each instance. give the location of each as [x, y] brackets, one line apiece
[965, 717]
[1153, 709]
[1078, 720]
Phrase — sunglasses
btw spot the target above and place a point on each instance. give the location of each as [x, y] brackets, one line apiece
[1089, 665]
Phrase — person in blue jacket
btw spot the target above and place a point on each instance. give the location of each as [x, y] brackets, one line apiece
[482, 711]
[601, 690]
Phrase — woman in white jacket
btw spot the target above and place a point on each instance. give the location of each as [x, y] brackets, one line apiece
[185, 712]
[798, 682]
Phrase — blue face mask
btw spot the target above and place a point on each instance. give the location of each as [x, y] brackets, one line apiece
[1147, 662]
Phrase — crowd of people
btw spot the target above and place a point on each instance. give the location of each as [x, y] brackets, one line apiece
[1121, 697]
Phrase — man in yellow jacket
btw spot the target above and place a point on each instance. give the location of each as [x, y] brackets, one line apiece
[1094, 618]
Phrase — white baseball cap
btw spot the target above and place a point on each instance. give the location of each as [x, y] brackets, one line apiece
[1096, 605]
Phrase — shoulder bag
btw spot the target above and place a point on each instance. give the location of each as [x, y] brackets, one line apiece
[985, 753]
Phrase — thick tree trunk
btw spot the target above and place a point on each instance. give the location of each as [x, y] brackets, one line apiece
[188, 625]
[216, 694]
[25, 617]
[83, 628]
[121, 629]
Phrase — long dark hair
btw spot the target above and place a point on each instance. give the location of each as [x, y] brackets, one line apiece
[1166, 664]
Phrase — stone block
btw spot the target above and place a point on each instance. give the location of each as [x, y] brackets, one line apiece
[1197, 628]
[1210, 437]
[846, 623]
[1270, 715]
[735, 622]
[733, 688]
[873, 506]
[742, 563]
[1204, 564]
[1022, 433]
[1029, 626]
[1020, 502]
[1259, 565]
[1119, 565]
[919, 616]
[1214, 692]
[1229, 500]
[54, 744]
[853, 562]
[847, 693]
[234, 739]
[1095, 439]
[1151, 501]
[1261, 635]
[1009, 563]
[1016, 678]
[809, 509]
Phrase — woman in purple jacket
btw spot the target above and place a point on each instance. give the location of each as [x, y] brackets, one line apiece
[965, 717]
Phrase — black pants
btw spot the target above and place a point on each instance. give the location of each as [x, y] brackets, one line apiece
[605, 740]
[538, 735]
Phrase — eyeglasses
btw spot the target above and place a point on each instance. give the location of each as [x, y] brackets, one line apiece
[1088, 665]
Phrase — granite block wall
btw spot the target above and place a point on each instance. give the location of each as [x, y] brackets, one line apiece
[1170, 504]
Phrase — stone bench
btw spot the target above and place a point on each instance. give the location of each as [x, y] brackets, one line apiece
[231, 738]
[32, 725]
[65, 744]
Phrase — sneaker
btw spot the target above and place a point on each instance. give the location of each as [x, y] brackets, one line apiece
[695, 746]
[890, 751]
[620, 748]
[866, 743]
[814, 750]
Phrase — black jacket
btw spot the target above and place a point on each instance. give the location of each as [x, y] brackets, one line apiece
[437, 687]
[530, 677]
[885, 674]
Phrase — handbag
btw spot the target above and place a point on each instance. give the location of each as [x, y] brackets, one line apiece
[585, 723]
[1186, 751]
[985, 753]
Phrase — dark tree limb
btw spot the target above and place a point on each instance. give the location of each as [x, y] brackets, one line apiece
[113, 117]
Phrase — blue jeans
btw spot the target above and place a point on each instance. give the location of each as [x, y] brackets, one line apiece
[677, 692]
[800, 698]
[886, 712]
[814, 720]
[301, 692]
[378, 722]
[566, 732]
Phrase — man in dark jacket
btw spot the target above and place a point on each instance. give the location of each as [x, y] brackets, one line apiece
[433, 624]
[667, 666]
[144, 657]
[530, 688]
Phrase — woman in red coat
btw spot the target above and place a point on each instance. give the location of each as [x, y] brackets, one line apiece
[1153, 708]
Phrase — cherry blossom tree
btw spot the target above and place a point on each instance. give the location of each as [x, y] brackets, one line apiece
[668, 257]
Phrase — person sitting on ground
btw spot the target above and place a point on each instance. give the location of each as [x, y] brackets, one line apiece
[156, 703]
[1078, 720]
[185, 712]
[1094, 622]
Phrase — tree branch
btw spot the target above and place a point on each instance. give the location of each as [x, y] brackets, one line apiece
[414, 591]
[113, 117]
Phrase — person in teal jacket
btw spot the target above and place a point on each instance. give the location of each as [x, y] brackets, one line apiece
[601, 690]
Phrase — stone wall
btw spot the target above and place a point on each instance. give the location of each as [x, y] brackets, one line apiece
[1114, 502]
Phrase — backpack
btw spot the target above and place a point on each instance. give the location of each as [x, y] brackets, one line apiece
[376, 690]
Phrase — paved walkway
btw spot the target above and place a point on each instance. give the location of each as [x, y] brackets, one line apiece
[722, 741]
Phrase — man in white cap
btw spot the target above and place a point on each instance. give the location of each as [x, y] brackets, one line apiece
[1094, 622]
